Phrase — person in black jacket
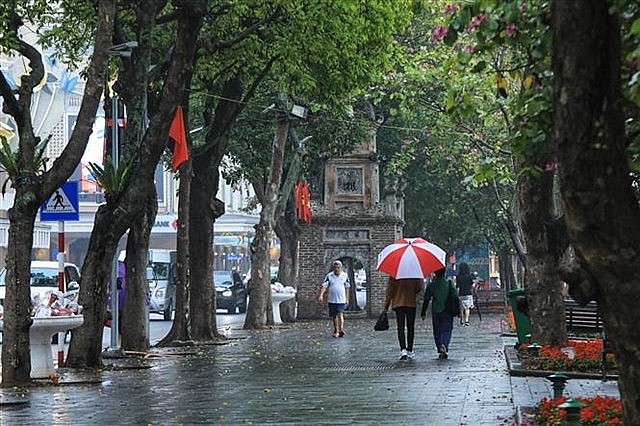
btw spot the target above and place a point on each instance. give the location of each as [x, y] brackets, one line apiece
[465, 291]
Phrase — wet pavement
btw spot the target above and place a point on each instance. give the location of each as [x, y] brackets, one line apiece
[299, 374]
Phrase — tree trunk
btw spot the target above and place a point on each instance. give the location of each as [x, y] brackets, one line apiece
[542, 283]
[85, 349]
[603, 217]
[113, 220]
[32, 187]
[260, 283]
[204, 208]
[288, 232]
[134, 312]
[16, 355]
[220, 114]
[507, 275]
[180, 327]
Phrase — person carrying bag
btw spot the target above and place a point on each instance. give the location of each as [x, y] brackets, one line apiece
[439, 289]
[401, 295]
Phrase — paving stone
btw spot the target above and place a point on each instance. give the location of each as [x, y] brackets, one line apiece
[298, 374]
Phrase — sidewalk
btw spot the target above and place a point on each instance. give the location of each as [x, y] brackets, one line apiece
[299, 374]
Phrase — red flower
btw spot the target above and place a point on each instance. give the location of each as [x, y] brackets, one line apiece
[587, 357]
[597, 410]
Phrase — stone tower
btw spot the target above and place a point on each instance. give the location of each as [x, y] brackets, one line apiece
[351, 224]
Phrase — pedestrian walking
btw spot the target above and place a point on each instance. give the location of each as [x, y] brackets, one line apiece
[451, 271]
[336, 284]
[401, 296]
[438, 290]
[465, 291]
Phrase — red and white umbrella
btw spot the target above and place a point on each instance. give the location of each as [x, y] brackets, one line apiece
[411, 258]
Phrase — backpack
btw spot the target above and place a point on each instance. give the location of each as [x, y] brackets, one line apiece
[452, 304]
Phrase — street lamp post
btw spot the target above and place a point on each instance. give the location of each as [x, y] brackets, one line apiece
[122, 50]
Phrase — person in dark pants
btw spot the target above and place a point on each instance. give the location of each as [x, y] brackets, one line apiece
[438, 289]
[401, 296]
[336, 284]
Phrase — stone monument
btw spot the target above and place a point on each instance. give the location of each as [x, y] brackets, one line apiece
[349, 223]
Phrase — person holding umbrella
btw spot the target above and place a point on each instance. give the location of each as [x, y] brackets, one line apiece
[401, 296]
[408, 261]
[438, 290]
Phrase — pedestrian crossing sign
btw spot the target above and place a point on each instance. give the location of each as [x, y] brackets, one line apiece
[62, 204]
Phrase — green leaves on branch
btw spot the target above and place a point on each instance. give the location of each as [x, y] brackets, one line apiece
[113, 179]
[10, 161]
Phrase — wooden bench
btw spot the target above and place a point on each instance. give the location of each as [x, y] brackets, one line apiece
[582, 318]
[587, 319]
[489, 300]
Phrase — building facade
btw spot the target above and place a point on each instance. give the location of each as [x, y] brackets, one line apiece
[54, 111]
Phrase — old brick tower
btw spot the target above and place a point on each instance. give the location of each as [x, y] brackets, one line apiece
[351, 224]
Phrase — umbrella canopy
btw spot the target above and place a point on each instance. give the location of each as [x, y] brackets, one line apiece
[411, 258]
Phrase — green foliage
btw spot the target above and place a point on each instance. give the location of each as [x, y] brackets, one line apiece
[68, 33]
[631, 78]
[446, 137]
[506, 44]
[324, 53]
[69, 30]
[11, 161]
[252, 139]
[8, 162]
[113, 179]
[29, 11]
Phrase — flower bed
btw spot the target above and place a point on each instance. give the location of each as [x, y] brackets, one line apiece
[578, 356]
[598, 410]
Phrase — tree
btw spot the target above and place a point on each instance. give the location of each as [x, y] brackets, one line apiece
[219, 115]
[274, 50]
[132, 204]
[220, 98]
[602, 213]
[25, 167]
[310, 142]
[442, 145]
[507, 43]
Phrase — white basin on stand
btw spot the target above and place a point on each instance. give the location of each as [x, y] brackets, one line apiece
[40, 334]
[276, 299]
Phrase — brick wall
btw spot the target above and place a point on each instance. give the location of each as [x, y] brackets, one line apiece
[358, 235]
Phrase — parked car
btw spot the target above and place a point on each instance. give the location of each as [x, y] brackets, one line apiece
[44, 279]
[231, 293]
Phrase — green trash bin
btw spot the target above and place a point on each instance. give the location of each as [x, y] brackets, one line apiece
[517, 299]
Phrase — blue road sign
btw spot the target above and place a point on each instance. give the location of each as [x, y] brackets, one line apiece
[62, 204]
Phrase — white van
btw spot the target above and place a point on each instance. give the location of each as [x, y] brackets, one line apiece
[163, 284]
[44, 279]
[161, 281]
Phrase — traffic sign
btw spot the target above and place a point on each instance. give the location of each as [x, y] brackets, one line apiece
[62, 204]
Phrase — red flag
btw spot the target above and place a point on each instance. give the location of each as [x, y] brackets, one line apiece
[303, 202]
[179, 135]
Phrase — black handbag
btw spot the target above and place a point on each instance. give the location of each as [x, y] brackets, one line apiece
[382, 323]
[452, 305]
